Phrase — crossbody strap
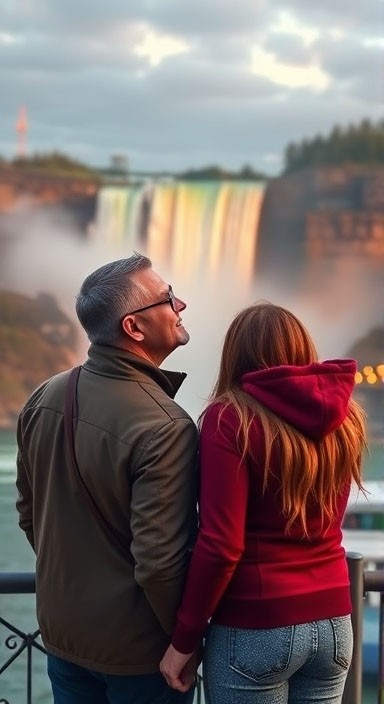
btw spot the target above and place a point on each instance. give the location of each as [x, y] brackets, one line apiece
[70, 420]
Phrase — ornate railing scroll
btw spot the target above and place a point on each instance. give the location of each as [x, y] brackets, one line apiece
[18, 641]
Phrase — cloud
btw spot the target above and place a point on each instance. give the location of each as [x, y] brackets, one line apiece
[174, 84]
[155, 47]
[310, 76]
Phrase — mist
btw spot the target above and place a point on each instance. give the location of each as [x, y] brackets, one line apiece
[334, 299]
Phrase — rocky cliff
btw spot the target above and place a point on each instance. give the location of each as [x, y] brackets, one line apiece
[36, 341]
[38, 188]
[322, 213]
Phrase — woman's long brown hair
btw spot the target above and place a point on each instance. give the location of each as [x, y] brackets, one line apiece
[266, 335]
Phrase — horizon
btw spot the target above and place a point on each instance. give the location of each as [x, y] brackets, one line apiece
[119, 163]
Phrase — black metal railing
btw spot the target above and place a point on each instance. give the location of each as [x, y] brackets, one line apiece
[362, 582]
[18, 641]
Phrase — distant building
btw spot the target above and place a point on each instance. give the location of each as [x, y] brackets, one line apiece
[119, 163]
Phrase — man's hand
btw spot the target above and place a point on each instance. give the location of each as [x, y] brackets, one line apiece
[179, 669]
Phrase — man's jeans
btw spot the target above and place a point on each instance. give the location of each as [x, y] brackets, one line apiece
[72, 684]
[296, 664]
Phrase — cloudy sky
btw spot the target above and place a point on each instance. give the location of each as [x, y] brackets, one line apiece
[174, 84]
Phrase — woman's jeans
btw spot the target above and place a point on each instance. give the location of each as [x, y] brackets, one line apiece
[72, 684]
[292, 665]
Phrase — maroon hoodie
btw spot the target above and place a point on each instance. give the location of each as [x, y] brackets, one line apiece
[246, 572]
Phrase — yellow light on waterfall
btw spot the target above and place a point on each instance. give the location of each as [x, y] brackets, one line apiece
[367, 370]
[372, 378]
[380, 369]
[358, 378]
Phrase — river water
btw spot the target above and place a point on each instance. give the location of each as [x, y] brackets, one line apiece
[19, 610]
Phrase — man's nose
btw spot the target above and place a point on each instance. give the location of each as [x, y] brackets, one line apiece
[180, 305]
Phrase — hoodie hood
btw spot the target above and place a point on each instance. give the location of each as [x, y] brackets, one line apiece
[313, 398]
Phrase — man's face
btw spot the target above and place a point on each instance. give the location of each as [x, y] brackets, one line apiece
[160, 325]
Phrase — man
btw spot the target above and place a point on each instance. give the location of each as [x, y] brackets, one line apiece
[111, 522]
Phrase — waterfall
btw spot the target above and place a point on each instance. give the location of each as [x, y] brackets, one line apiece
[191, 228]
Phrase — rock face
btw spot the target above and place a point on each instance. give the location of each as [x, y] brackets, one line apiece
[36, 341]
[41, 189]
[319, 214]
[59, 199]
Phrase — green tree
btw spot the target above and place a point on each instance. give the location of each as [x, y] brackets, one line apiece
[359, 144]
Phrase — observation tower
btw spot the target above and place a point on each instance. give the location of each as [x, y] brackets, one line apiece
[21, 127]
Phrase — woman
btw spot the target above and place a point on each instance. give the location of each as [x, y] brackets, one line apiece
[281, 442]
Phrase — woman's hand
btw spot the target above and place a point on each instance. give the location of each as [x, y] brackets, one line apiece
[178, 669]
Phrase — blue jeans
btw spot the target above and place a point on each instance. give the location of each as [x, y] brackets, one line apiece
[72, 684]
[292, 665]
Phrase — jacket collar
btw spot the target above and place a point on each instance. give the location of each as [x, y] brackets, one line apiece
[120, 364]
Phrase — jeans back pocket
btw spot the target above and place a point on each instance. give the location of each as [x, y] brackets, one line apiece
[262, 653]
[343, 640]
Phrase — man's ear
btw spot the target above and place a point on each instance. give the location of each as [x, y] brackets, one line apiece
[131, 328]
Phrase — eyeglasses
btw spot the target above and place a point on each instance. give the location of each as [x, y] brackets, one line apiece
[176, 304]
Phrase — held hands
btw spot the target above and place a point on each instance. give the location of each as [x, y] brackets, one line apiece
[178, 669]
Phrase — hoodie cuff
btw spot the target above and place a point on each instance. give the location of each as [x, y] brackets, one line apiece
[185, 639]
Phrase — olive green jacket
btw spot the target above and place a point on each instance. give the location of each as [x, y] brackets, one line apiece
[137, 454]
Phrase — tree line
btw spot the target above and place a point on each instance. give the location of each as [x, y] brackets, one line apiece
[53, 163]
[356, 144]
[217, 173]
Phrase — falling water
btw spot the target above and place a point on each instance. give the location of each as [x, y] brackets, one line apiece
[188, 228]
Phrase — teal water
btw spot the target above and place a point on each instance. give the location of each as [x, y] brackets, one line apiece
[19, 610]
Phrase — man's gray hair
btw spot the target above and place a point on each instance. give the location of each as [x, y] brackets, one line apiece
[107, 294]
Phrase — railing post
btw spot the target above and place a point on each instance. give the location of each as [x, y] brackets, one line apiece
[353, 686]
[381, 650]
